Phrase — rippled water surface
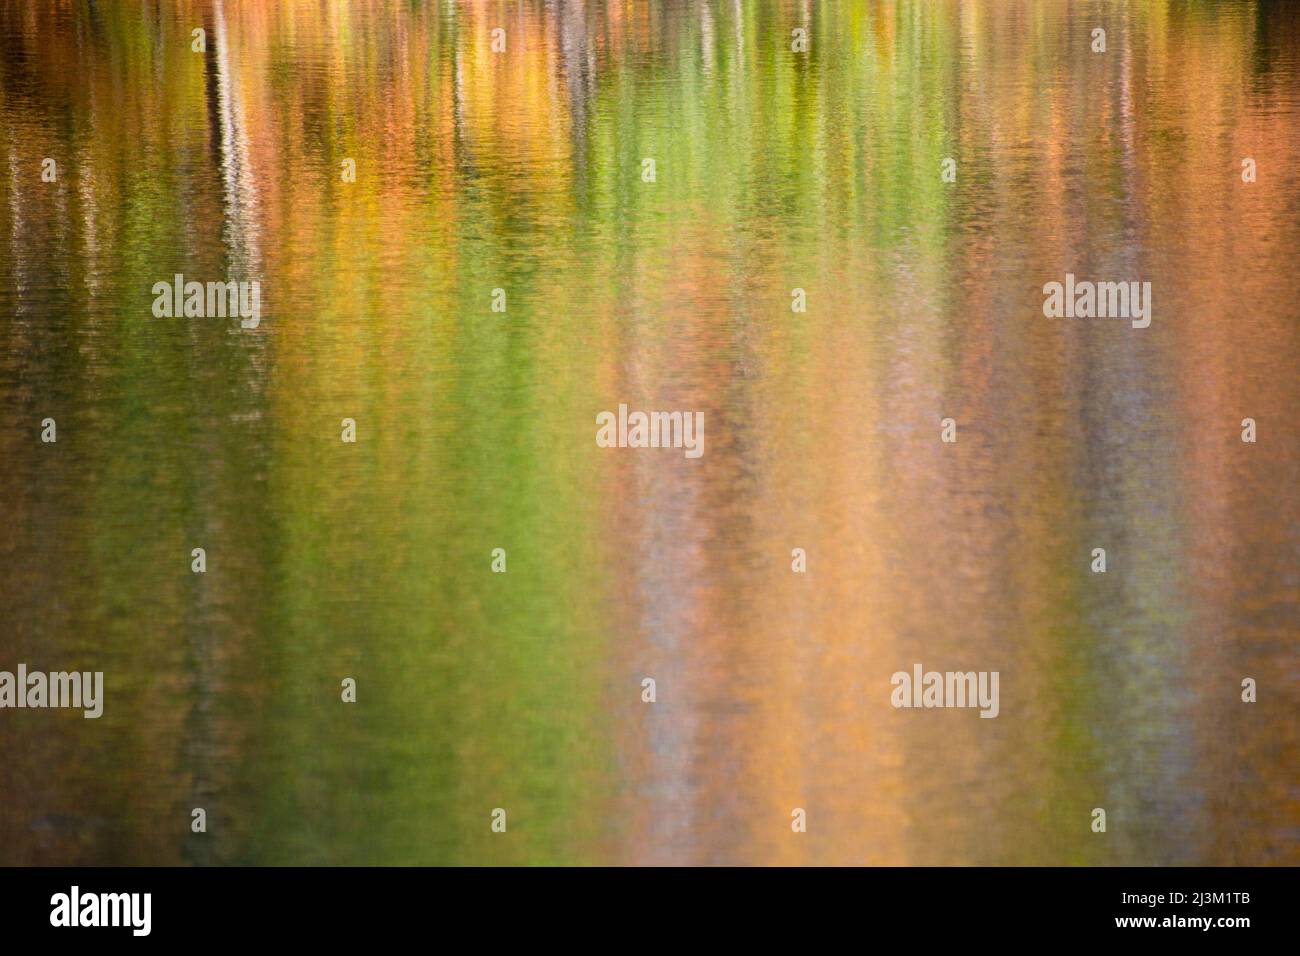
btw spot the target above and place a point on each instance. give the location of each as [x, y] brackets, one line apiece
[774, 170]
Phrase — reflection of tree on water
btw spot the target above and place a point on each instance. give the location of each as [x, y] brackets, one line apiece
[205, 623]
[230, 149]
[579, 68]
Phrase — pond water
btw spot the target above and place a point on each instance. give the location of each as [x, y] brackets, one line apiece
[506, 267]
